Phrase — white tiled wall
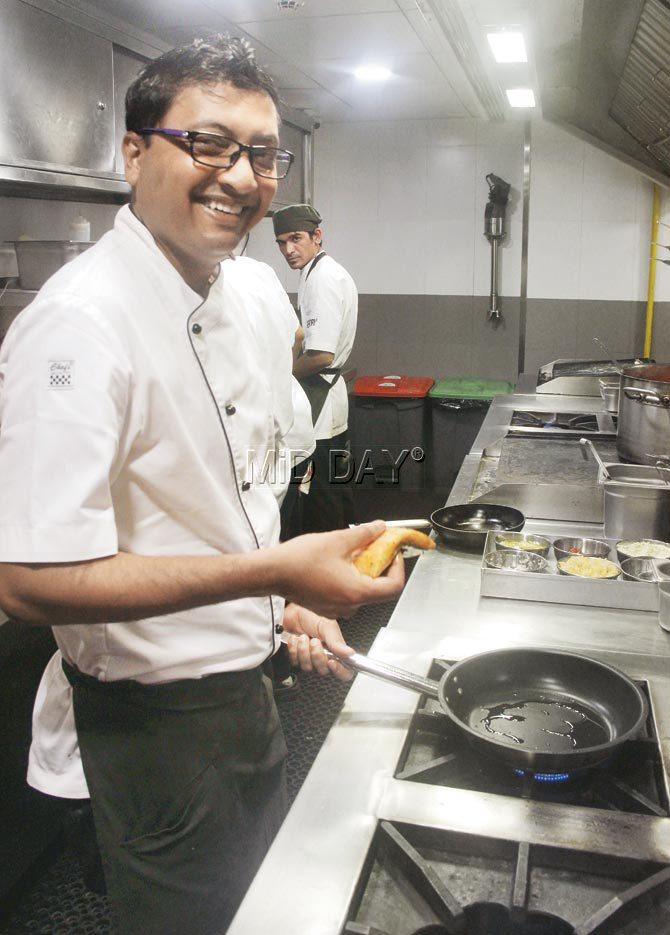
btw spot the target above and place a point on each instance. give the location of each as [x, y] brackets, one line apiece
[403, 203]
[590, 222]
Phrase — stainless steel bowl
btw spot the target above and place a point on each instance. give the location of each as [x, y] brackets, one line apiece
[516, 561]
[640, 569]
[572, 574]
[594, 548]
[622, 554]
[663, 569]
[543, 545]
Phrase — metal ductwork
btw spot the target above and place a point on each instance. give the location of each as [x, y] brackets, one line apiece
[604, 74]
[642, 101]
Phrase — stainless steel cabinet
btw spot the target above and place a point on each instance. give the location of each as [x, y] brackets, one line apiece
[56, 92]
[127, 66]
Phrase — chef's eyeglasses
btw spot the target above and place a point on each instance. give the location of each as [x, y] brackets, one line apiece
[221, 152]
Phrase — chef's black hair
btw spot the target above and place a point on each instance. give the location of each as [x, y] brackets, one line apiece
[208, 61]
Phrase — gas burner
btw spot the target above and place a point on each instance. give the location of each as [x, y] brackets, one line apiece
[438, 754]
[569, 424]
[421, 881]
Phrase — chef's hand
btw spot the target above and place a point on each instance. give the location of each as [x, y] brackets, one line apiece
[317, 571]
[307, 634]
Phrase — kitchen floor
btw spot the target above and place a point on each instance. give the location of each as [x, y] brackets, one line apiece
[57, 902]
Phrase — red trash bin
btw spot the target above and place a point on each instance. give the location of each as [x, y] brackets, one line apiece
[390, 430]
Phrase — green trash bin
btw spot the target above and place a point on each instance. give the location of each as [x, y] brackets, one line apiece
[458, 407]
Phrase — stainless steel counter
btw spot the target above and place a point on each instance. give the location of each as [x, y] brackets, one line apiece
[309, 877]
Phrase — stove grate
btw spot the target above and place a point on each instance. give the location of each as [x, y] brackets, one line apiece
[427, 881]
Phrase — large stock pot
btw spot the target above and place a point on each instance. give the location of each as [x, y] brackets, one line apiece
[643, 434]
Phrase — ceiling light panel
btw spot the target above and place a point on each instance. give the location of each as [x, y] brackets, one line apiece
[372, 73]
[507, 46]
[520, 97]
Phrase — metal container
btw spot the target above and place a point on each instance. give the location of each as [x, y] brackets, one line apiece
[610, 394]
[640, 569]
[643, 434]
[636, 503]
[523, 542]
[38, 260]
[616, 569]
[623, 553]
[576, 545]
[517, 561]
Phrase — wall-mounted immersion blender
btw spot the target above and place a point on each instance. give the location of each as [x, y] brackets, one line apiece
[494, 228]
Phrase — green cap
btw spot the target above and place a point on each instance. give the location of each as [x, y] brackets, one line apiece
[295, 218]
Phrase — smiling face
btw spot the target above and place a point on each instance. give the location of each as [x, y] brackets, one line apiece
[199, 214]
[299, 247]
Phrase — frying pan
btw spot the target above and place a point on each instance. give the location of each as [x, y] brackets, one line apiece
[466, 524]
[540, 711]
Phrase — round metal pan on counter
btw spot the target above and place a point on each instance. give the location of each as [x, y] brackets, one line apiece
[467, 524]
[540, 711]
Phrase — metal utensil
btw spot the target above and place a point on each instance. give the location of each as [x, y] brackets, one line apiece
[615, 363]
[587, 443]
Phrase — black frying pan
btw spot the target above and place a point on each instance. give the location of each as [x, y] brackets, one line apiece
[541, 711]
[467, 524]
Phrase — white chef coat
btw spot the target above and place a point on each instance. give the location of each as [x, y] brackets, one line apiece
[123, 428]
[328, 303]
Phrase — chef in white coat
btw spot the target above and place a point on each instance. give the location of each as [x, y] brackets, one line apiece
[328, 310]
[137, 411]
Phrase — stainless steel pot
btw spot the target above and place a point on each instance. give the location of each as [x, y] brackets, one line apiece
[643, 434]
[636, 503]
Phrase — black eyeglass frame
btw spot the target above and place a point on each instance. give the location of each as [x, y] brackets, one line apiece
[191, 138]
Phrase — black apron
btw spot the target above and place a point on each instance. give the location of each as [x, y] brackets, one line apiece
[315, 387]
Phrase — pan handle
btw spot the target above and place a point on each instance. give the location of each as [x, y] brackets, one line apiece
[387, 673]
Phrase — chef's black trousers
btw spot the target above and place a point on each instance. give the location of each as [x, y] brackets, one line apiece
[329, 503]
[188, 788]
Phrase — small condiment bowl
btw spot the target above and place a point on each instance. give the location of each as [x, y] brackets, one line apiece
[572, 574]
[622, 554]
[516, 561]
[522, 542]
[640, 569]
[575, 545]
[663, 569]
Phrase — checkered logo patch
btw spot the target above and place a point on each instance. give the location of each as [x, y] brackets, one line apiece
[61, 375]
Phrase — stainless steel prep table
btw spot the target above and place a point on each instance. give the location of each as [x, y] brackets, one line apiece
[308, 879]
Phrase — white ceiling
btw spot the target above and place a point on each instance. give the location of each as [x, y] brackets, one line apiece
[312, 52]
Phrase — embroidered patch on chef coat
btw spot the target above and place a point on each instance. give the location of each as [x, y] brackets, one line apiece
[61, 375]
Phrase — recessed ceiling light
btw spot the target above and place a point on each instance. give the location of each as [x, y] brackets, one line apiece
[372, 73]
[520, 97]
[507, 46]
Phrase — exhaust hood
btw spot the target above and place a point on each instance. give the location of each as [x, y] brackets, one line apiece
[604, 73]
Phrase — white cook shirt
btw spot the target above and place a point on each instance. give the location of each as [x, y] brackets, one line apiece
[122, 428]
[328, 303]
[298, 442]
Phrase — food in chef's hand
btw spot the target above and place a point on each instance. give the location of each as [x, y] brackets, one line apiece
[587, 567]
[525, 545]
[377, 557]
[644, 548]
